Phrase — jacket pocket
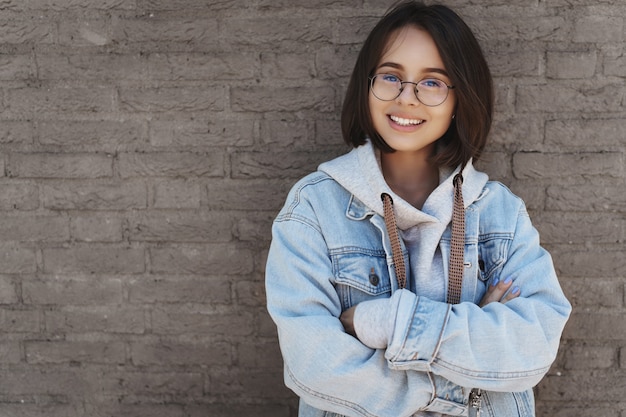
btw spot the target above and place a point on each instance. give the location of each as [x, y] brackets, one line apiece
[492, 251]
[360, 275]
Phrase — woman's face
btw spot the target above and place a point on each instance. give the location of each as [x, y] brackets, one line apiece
[406, 124]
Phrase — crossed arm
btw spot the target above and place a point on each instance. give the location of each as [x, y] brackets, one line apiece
[495, 293]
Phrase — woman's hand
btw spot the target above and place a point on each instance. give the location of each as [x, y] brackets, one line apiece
[497, 289]
[347, 319]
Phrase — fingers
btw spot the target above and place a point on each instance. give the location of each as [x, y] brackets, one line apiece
[500, 291]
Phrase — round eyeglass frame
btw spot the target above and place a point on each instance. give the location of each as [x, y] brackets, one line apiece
[415, 90]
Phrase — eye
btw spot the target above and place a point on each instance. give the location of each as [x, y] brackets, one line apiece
[389, 78]
[432, 84]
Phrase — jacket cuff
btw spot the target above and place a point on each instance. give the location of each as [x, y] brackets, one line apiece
[418, 329]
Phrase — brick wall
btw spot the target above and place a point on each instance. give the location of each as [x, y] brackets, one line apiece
[146, 145]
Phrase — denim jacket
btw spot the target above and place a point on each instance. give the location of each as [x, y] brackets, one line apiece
[330, 251]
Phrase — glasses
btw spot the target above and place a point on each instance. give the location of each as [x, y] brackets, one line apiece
[430, 92]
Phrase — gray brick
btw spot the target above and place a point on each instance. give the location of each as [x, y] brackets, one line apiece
[228, 410]
[17, 67]
[552, 165]
[49, 165]
[16, 132]
[96, 319]
[32, 101]
[176, 320]
[590, 357]
[515, 64]
[522, 28]
[19, 321]
[10, 353]
[586, 197]
[185, 67]
[597, 28]
[571, 64]
[615, 61]
[25, 30]
[173, 99]
[171, 164]
[568, 98]
[182, 227]
[177, 194]
[238, 194]
[594, 292]
[596, 262]
[70, 4]
[85, 32]
[556, 227]
[106, 135]
[584, 386]
[595, 134]
[354, 30]
[19, 381]
[335, 62]
[286, 133]
[99, 352]
[218, 130]
[283, 99]
[276, 164]
[254, 226]
[92, 228]
[8, 291]
[151, 28]
[72, 291]
[274, 31]
[172, 353]
[91, 67]
[191, 5]
[204, 259]
[289, 65]
[19, 195]
[31, 229]
[181, 384]
[15, 259]
[40, 410]
[94, 259]
[179, 289]
[94, 196]
[251, 293]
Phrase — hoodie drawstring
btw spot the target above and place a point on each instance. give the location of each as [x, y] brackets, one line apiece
[457, 247]
[396, 248]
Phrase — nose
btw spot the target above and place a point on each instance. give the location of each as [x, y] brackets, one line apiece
[408, 95]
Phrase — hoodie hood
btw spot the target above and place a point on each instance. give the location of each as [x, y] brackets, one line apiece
[359, 172]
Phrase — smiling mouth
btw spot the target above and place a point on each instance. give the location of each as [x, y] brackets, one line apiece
[406, 122]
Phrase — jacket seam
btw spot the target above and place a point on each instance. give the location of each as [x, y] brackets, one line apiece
[490, 376]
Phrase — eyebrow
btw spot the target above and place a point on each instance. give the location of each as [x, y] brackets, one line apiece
[400, 67]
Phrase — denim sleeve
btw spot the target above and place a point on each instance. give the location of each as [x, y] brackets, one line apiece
[501, 347]
[326, 367]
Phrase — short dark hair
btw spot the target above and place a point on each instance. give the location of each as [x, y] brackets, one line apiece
[467, 69]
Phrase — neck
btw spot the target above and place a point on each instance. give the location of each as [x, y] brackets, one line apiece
[410, 175]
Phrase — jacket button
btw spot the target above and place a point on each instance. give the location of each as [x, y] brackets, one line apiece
[374, 280]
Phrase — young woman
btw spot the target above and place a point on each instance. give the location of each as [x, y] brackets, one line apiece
[401, 280]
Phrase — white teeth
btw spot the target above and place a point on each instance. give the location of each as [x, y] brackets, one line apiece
[405, 122]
